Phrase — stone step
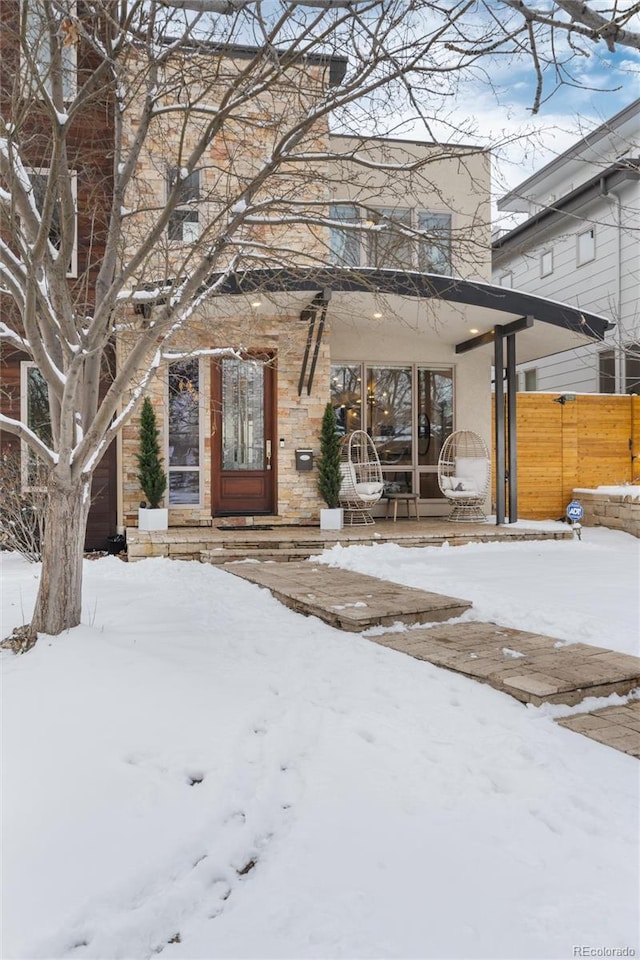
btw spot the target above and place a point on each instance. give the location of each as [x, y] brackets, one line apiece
[528, 666]
[281, 554]
[348, 600]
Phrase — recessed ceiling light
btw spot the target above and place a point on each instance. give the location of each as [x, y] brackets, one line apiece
[473, 330]
[256, 303]
[377, 315]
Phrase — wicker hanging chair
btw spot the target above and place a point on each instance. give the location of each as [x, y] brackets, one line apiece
[362, 483]
[464, 474]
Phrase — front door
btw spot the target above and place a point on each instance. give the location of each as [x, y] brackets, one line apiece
[243, 451]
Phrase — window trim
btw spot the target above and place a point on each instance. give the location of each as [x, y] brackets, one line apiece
[546, 272]
[189, 209]
[71, 92]
[610, 354]
[200, 469]
[583, 233]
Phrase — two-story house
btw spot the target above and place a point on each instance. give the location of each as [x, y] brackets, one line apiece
[376, 295]
[579, 241]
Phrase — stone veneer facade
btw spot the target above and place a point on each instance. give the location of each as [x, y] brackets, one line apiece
[228, 163]
[298, 419]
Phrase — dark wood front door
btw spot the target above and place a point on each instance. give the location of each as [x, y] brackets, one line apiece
[242, 436]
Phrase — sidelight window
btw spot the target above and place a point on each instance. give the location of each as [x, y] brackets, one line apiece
[184, 459]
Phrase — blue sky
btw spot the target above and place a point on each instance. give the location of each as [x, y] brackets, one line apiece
[597, 87]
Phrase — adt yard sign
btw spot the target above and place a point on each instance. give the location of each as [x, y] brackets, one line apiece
[575, 512]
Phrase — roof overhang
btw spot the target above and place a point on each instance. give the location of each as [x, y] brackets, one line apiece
[605, 182]
[446, 309]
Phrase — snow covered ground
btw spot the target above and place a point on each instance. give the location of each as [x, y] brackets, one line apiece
[198, 772]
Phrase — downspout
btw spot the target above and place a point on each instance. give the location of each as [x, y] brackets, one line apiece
[620, 365]
[620, 372]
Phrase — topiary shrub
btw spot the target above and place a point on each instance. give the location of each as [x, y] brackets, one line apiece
[151, 476]
[329, 476]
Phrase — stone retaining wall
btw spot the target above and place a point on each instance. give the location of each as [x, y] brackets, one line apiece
[619, 511]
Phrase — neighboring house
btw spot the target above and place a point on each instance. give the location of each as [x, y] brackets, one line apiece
[580, 243]
[22, 389]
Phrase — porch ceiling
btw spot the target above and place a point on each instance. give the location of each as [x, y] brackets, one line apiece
[446, 309]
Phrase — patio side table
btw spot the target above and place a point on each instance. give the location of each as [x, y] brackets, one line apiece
[393, 498]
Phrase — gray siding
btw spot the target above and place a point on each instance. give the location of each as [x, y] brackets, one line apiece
[608, 284]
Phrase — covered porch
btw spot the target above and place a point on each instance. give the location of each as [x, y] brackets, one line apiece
[405, 356]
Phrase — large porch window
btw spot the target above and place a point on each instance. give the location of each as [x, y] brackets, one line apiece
[407, 410]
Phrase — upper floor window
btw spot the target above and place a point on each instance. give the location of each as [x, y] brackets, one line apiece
[47, 33]
[184, 221]
[388, 249]
[434, 251]
[344, 243]
[531, 379]
[506, 280]
[378, 239]
[39, 183]
[607, 371]
[546, 263]
[586, 246]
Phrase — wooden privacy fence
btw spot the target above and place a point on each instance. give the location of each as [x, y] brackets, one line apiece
[589, 441]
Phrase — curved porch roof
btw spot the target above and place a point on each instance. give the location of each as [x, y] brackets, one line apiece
[453, 310]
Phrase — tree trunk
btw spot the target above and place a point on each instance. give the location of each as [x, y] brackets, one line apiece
[59, 602]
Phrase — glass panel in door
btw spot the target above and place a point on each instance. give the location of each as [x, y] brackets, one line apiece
[243, 446]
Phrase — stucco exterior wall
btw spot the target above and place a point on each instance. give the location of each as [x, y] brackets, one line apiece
[437, 179]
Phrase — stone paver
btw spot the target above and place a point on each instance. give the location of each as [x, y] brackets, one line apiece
[617, 727]
[347, 600]
[528, 666]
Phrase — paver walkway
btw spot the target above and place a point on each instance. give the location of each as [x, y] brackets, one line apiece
[528, 666]
[617, 727]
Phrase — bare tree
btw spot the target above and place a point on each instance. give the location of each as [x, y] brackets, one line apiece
[151, 148]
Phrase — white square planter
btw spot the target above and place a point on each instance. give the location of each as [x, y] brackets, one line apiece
[153, 519]
[332, 519]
